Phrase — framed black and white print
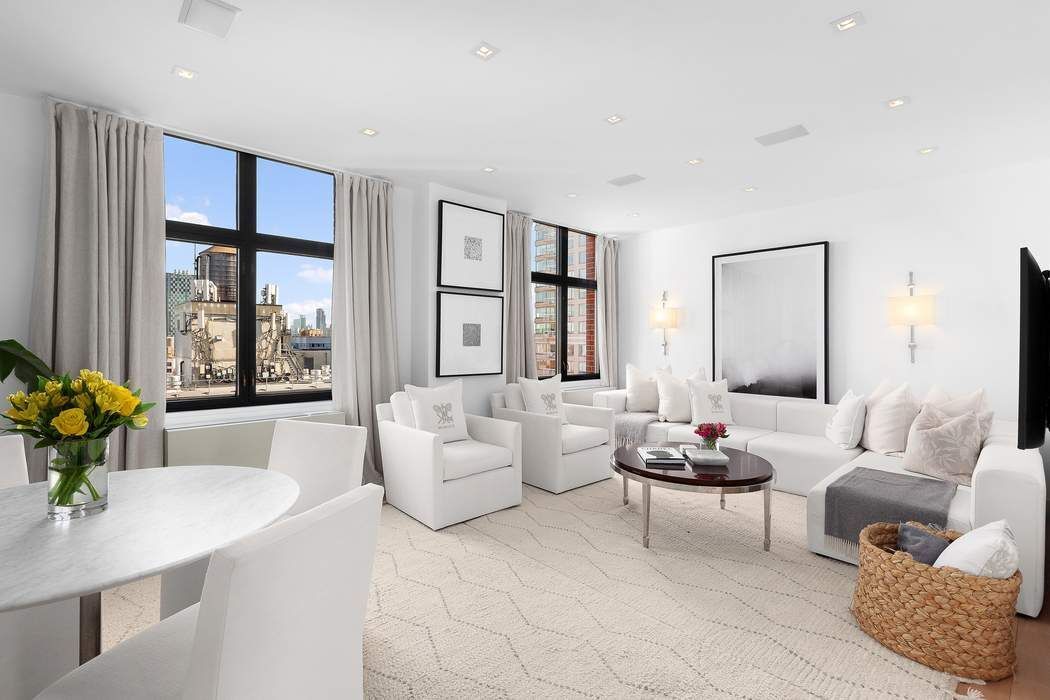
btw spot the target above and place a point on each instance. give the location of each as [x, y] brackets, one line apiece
[469, 334]
[769, 320]
[470, 247]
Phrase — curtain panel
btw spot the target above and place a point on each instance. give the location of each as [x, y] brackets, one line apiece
[364, 331]
[520, 358]
[98, 293]
[608, 313]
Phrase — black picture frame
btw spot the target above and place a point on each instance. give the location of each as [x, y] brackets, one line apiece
[438, 371]
[442, 203]
[825, 248]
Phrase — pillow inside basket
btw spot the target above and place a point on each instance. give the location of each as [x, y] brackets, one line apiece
[922, 545]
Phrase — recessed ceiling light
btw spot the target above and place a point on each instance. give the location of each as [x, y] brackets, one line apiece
[488, 169]
[750, 188]
[213, 17]
[614, 119]
[485, 51]
[696, 161]
[571, 195]
[898, 102]
[369, 132]
[634, 215]
[927, 150]
[851, 21]
[184, 73]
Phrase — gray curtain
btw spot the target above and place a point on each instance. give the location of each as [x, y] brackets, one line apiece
[520, 359]
[364, 331]
[608, 325]
[98, 292]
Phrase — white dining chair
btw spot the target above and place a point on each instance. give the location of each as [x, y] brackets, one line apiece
[282, 616]
[325, 459]
[39, 644]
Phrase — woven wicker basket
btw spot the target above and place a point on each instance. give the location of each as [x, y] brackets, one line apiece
[943, 618]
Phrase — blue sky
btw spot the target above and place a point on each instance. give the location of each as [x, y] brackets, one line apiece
[200, 187]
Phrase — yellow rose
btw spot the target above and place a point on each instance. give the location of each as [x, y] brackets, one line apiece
[59, 400]
[106, 401]
[77, 385]
[127, 402]
[140, 421]
[83, 401]
[29, 413]
[18, 399]
[93, 380]
[71, 422]
[40, 399]
[52, 387]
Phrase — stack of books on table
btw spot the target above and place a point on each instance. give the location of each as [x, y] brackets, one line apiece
[661, 456]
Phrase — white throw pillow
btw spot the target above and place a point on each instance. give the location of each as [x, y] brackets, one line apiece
[643, 394]
[971, 403]
[544, 396]
[888, 420]
[513, 397]
[439, 410]
[847, 425]
[989, 550]
[674, 396]
[946, 447]
[709, 401]
[401, 406]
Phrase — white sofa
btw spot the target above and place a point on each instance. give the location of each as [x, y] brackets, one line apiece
[442, 484]
[1008, 483]
[557, 457]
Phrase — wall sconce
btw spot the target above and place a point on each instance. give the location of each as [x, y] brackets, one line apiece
[912, 310]
[663, 318]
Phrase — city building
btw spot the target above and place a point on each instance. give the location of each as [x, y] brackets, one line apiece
[218, 264]
[321, 323]
[178, 288]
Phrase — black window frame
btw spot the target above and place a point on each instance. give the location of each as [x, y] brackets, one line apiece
[248, 241]
[562, 282]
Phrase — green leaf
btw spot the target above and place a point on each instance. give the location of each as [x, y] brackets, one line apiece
[14, 357]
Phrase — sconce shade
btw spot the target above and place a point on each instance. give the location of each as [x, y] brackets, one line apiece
[920, 310]
[663, 317]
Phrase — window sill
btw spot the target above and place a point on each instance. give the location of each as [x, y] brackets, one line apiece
[219, 416]
[584, 384]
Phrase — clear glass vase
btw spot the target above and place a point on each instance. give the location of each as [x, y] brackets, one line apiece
[77, 478]
[709, 444]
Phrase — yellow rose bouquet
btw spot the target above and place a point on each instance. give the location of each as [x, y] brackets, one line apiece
[73, 417]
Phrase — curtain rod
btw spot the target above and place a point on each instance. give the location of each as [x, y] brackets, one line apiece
[224, 144]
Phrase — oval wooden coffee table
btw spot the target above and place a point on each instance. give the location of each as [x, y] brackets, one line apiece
[744, 473]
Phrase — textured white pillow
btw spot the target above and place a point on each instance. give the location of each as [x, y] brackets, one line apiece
[709, 401]
[944, 446]
[544, 396]
[643, 395]
[847, 425]
[439, 410]
[513, 397]
[989, 550]
[888, 419]
[971, 403]
[674, 396]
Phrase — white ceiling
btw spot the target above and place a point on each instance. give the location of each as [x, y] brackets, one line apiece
[691, 78]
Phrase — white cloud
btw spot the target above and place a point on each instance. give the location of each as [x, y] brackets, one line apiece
[319, 274]
[309, 309]
[175, 213]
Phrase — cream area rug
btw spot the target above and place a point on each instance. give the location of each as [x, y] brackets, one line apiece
[558, 599]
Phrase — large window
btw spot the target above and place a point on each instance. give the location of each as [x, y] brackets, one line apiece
[248, 278]
[565, 291]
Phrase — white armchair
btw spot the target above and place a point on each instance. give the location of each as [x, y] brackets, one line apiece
[557, 457]
[442, 484]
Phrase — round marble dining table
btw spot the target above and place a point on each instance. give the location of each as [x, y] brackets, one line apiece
[157, 519]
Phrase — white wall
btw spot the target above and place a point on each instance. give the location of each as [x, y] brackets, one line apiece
[22, 145]
[960, 235]
[476, 390]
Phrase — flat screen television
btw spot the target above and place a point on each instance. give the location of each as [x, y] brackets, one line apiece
[1033, 392]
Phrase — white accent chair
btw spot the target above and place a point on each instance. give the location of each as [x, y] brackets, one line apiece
[282, 616]
[442, 484]
[559, 456]
[325, 459]
[39, 644]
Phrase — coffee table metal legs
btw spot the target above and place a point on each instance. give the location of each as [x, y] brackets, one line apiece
[625, 490]
[646, 488]
[90, 626]
[767, 495]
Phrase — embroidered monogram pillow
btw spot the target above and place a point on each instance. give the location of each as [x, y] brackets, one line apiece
[709, 401]
[544, 396]
[439, 410]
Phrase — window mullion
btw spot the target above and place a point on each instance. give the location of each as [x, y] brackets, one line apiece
[246, 226]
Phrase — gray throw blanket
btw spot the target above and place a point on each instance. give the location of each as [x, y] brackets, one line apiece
[864, 496]
[631, 427]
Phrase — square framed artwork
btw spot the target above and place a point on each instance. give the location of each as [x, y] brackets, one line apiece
[754, 348]
[469, 334]
[470, 247]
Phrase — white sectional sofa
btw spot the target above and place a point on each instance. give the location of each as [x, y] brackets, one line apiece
[1008, 483]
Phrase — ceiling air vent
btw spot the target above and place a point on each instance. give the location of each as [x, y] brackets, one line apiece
[792, 132]
[213, 17]
[625, 180]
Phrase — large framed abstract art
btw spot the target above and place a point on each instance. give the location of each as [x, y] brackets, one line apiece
[769, 321]
[470, 247]
[469, 334]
